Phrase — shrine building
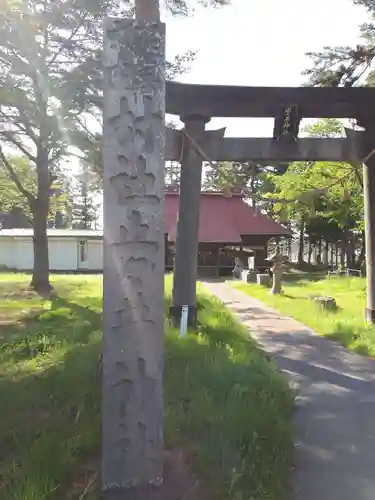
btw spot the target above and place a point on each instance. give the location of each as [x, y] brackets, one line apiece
[228, 228]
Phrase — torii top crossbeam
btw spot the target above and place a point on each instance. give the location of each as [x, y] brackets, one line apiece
[261, 102]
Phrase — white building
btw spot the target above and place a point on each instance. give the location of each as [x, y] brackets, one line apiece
[69, 249]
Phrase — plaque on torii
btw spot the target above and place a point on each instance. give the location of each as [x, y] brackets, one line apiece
[286, 126]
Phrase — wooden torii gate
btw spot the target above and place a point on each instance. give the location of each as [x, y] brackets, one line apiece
[197, 104]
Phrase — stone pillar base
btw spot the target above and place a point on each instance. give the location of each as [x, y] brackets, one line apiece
[177, 483]
[370, 316]
[175, 315]
[141, 493]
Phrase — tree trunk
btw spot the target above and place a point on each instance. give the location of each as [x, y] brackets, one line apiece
[343, 251]
[40, 206]
[310, 251]
[319, 255]
[301, 247]
[40, 280]
[349, 251]
[326, 253]
[147, 10]
[290, 249]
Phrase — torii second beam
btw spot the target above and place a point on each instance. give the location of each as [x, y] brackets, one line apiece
[216, 148]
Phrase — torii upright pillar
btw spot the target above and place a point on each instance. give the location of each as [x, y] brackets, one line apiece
[366, 141]
[185, 265]
[369, 199]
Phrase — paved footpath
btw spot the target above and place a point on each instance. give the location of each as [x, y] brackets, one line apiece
[335, 415]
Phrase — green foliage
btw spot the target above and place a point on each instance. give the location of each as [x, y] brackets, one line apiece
[328, 197]
[250, 177]
[249, 174]
[11, 199]
[232, 174]
[321, 189]
[326, 128]
[44, 47]
[172, 172]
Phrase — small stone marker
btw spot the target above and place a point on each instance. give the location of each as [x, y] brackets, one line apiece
[328, 303]
[252, 276]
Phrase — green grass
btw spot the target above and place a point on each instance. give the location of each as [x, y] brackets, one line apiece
[49, 404]
[347, 324]
[225, 405]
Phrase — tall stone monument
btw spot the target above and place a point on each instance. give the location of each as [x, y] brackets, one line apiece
[133, 308]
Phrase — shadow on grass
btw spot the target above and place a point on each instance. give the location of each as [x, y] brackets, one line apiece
[52, 416]
[301, 281]
[287, 296]
[360, 340]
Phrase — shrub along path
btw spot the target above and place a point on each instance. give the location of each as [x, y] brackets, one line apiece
[335, 416]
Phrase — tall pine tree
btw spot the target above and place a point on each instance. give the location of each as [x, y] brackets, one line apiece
[346, 66]
[85, 208]
[50, 82]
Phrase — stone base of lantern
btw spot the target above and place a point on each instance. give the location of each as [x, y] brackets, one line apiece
[249, 276]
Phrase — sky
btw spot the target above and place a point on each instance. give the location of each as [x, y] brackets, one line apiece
[260, 43]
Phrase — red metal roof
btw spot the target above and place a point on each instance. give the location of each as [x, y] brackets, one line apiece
[222, 219]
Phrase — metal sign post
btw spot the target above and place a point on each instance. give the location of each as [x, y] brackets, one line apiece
[184, 321]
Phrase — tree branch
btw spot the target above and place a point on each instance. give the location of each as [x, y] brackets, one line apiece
[63, 45]
[357, 174]
[13, 175]
[313, 192]
[92, 135]
[10, 137]
[250, 194]
[21, 122]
